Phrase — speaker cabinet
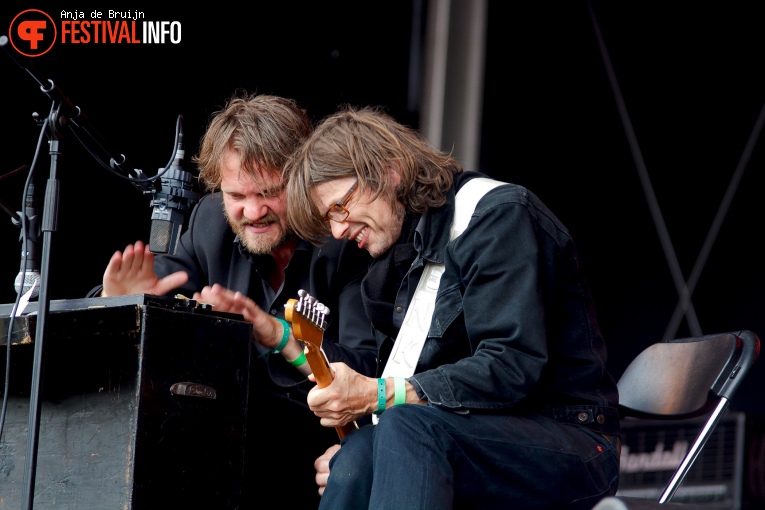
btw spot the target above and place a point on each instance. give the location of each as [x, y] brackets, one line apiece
[143, 406]
[651, 451]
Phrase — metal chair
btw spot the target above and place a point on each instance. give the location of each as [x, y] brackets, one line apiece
[679, 380]
[620, 503]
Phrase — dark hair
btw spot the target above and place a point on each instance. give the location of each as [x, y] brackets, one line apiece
[366, 144]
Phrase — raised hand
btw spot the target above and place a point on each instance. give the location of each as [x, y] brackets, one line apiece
[132, 272]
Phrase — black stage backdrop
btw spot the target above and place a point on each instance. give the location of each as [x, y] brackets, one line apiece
[689, 77]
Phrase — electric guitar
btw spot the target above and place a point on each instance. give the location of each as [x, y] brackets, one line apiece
[307, 316]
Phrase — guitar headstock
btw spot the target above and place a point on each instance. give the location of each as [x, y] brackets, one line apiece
[308, 317]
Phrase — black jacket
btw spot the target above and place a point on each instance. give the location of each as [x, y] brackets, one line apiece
[514, 327]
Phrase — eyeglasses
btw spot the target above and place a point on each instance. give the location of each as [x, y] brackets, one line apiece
[337, 211]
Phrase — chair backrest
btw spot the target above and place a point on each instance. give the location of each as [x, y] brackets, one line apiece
[686, 378]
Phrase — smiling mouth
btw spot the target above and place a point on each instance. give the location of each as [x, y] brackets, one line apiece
[360, 235]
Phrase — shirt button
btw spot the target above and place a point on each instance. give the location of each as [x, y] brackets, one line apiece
[601, 419]
[399, 309]
[583, 417]
[273, 311]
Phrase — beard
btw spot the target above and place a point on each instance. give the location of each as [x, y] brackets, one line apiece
[259, 244]
[390, 233]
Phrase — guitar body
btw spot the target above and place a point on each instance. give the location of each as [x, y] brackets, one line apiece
[307, 318]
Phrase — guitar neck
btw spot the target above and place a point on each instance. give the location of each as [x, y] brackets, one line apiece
[310, 330]
[323, 374]
[319, 365]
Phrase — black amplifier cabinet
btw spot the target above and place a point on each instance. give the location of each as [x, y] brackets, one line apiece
[652, 450]
[144, 403]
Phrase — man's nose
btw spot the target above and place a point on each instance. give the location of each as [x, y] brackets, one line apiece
[255, 208]
[339, 229]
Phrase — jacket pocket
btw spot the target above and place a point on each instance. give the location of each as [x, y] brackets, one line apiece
[447, 308]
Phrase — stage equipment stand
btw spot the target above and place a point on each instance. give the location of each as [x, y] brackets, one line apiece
[145, 406]
[64, 115]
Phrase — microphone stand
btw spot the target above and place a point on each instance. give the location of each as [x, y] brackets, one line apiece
[55, 121]
[63, 115]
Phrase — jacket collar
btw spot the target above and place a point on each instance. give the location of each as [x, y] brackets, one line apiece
[432, 233]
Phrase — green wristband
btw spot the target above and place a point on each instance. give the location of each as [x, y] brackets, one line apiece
[299, 361]
[399, 388]
[285, 337]
[380, 396]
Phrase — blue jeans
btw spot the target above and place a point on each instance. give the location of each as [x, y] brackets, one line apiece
[423, 457]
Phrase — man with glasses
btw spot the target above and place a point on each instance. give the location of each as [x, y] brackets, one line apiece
[337, 211]
[495, 393]
[240, 255]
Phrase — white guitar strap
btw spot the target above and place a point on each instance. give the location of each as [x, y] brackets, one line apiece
[414, 330]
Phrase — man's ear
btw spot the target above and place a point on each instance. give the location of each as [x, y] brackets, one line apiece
[394, 170]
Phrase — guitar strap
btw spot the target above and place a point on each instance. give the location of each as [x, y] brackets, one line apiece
[414, 330]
